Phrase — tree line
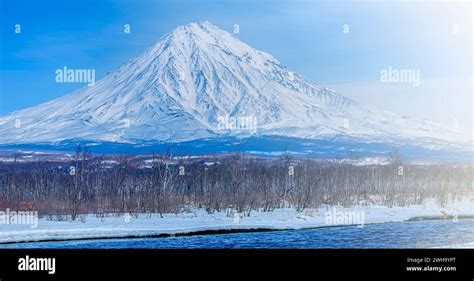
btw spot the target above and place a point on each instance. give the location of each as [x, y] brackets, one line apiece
[232, 183]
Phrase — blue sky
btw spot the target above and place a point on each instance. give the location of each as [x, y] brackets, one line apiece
[307, 36]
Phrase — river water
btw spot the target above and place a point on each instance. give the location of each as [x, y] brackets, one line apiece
[410, 234]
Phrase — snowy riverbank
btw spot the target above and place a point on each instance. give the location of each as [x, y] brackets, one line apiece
[142, 225]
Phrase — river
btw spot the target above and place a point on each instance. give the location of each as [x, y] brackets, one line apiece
[409, 234]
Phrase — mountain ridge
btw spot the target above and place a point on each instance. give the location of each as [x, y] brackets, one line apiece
[179, 89]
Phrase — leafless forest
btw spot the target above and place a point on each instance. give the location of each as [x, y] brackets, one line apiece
[167, 184]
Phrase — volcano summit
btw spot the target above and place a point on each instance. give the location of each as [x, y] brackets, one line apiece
[197, 75]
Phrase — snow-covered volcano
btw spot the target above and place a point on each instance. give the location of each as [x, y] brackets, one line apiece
[181, 88]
